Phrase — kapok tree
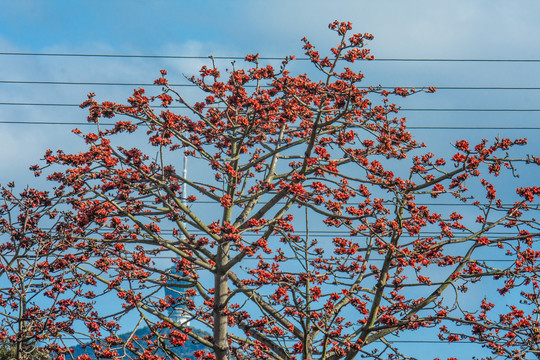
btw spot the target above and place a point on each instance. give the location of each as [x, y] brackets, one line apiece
[41, 293]
[277, 159]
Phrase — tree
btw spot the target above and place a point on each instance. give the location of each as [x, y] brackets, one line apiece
[10, 352]
[40, 293]
[281, 158]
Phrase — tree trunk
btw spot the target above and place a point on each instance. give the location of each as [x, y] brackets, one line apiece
[221, 289]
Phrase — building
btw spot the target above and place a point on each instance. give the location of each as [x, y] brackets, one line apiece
[177, 290]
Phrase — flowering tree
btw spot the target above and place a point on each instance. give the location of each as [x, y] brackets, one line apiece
[281, 158]
[41, 293]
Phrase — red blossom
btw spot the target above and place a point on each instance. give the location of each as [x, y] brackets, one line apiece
[241, 245]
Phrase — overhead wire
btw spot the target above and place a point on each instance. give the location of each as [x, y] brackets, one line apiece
[14, 122]
[272, 258]
[189, 57]
[93, 83]
[185, 107]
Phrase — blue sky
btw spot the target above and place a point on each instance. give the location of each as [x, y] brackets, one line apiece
[491, 29]
[414, 29]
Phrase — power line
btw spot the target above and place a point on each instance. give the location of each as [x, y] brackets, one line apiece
[468, 109]
[91, 83]
[39, 104]
[271, 258]
[186, 57]
[189, 57]
[408, 127]
[400, 109]
[334, 233]
[472, 128]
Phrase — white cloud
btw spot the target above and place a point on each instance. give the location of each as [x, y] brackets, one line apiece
[403, 28]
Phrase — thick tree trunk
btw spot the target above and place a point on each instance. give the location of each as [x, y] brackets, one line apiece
[221, 289]
[307, 353]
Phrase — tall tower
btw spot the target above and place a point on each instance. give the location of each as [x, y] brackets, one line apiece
[177, 290]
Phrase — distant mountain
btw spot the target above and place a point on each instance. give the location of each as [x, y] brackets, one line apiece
[185, 351]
